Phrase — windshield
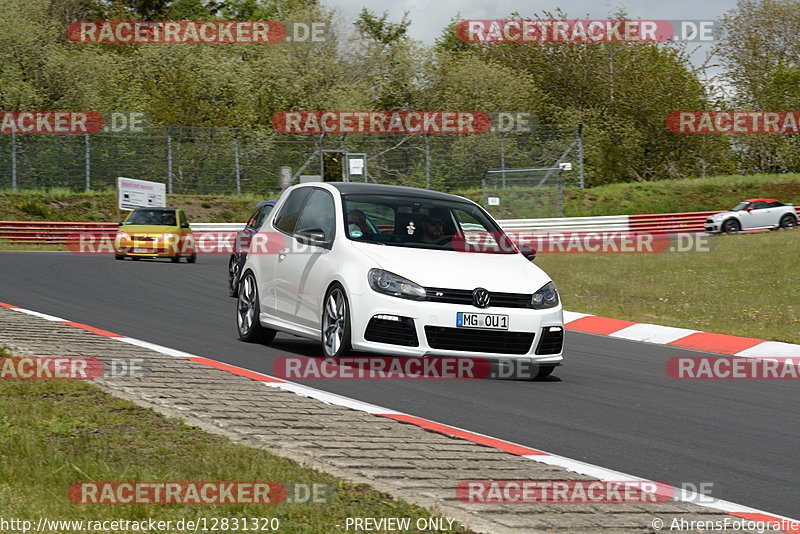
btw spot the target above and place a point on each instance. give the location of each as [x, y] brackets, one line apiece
[152, 217]
[740, 206]
[421, 222]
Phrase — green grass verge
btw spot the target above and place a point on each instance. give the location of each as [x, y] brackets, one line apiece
[747, 286]
[52, 435]
[665, 196]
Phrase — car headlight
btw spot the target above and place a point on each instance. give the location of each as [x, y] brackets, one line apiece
[394, 285]
[122, 236]
[546, 297]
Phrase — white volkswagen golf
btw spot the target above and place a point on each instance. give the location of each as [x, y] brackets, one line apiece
[398, 271]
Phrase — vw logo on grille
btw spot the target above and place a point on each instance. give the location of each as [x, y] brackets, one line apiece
[480, 297]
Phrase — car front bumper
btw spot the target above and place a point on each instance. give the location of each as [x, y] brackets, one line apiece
[440, 316]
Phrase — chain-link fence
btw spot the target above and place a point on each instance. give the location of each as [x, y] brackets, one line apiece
[539, 190]
[193, 160]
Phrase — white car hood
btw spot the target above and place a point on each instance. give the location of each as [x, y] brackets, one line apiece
[505, 273]
[724, 214]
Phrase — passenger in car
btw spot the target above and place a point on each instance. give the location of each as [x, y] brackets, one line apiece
[357, 221]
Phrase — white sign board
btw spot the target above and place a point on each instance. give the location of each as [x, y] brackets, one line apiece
[134, 194]
[565, 166]
[356, 166]
[494, 201]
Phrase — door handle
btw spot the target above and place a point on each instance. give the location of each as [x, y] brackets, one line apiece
[282, 254]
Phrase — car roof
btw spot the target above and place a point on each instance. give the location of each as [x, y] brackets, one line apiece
[346, 188]
[760, 200]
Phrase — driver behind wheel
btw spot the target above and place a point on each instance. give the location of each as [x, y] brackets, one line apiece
[430, 228]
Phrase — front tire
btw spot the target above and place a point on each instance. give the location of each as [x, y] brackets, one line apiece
[248, 312]
[176, 258]
[335, 323]
[731, 226]
[233, 275]
[788, 222]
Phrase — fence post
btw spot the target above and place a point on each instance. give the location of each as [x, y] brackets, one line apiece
[503, 158]
[13, 161]
[560, 192]
[580, 150]
[88, 164]
[427, 161]
[236, 162]
[169, 162]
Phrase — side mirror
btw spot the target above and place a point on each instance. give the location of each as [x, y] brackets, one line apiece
[184, 224]
[749, 209]
[121, 223]
[312, 236]
[528, 251]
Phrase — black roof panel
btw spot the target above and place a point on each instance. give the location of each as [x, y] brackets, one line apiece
[347, 188]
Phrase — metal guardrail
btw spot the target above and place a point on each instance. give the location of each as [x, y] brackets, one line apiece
[27, 232]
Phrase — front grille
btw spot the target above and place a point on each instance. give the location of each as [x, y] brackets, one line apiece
[400, 332]
[550, 342]
[464, 296]
[466, 339]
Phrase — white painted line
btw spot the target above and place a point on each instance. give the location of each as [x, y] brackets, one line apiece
[152, 346]
[331, 398]
[771, 349]
[652, 333]
[40, 315]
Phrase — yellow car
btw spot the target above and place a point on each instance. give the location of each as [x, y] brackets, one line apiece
[155, 233]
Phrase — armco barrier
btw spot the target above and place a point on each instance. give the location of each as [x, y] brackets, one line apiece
[25, 232]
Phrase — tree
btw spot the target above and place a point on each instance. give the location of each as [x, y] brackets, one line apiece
[759, 46]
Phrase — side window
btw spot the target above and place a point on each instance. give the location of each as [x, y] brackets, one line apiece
[261, 216]
[774, 205]
[319, 212]
[251, 222]
[758, 205]
[183, 220]
[287, 217]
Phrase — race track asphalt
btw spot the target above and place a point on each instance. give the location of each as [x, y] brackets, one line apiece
[611, 404]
